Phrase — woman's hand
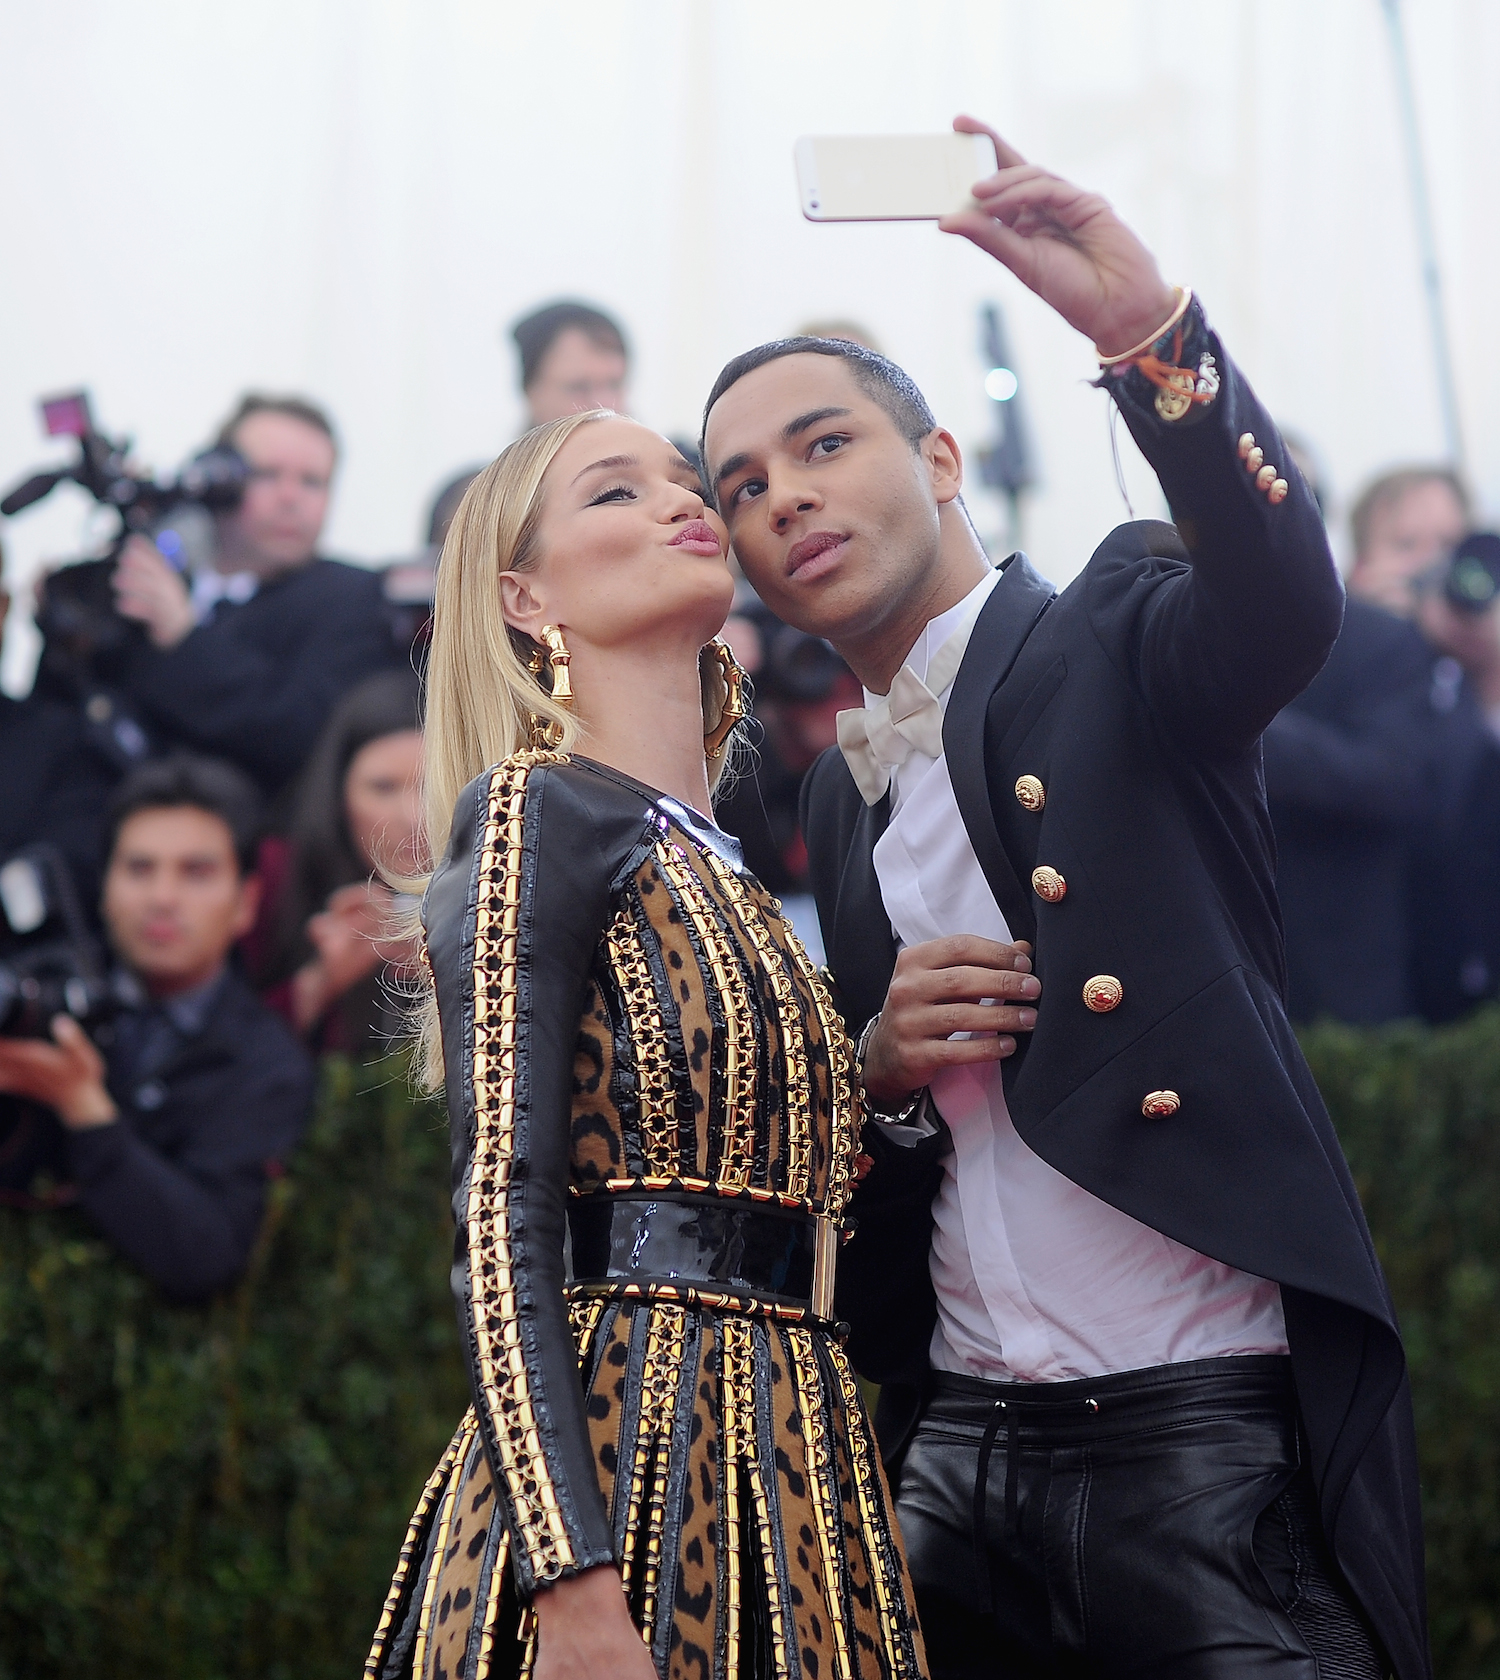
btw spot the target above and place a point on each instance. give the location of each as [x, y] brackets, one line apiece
[584, 1631]
[1068, 246]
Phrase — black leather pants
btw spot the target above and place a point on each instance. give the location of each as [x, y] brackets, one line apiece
[1154, 1524]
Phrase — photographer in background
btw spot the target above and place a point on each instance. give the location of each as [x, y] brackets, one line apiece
[248, 660]
[573, 358]
[173, 1115]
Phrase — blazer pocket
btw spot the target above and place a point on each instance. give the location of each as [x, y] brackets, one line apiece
[1017, 718]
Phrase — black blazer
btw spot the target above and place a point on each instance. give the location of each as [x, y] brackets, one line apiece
[256, 683]
[1137, 697]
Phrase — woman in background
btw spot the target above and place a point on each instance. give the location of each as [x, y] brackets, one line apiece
[330, 961]
[655, 1124]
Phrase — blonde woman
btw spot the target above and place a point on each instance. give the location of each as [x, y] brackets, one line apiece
[667, 1469]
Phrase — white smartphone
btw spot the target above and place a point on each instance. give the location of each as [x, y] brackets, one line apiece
[890, 177]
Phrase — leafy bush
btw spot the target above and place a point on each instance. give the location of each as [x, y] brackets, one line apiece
[206, 1492]
[214, 1493]
[1419, 1115]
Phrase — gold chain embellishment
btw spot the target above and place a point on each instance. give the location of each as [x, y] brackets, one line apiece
[437, 1484]
[666, 1336]
[504, 1382]
[796, 1089]
[739, 1016]
[655, 1095]
[822, 1472]
[845, 1094]
[464, 1443]
[884, 1567]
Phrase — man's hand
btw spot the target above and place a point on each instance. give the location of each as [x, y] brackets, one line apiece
[1473, 639]
[66, 1075]
[1068, 246]
[939, 989]
[149, 591]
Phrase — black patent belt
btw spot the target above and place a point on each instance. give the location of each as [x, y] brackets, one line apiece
[707, 1244]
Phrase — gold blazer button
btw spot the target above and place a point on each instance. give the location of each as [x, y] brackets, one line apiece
[1158, 1105]
[1254, 456]
[1030, 792]
[1048, 884]
[1103, 993]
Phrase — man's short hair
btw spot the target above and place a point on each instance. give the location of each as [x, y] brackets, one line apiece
[205, 784]
[1389, 488]
[877, 376]
[294, 408]
[535, 334]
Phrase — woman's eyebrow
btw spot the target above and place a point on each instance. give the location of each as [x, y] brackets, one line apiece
[610, 462]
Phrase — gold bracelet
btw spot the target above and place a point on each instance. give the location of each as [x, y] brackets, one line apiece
[1184, 298]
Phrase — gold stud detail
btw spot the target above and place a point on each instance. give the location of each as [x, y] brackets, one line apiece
[1160, 1105]
[1103, 993]
[1265, 478]
[1247, 443]
[1278, 491]
[1030, 793]
[1048, 884]
[1253, 459]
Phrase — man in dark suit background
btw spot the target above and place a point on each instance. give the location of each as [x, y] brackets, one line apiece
[1142, 1382]
[248, 660]
[1381, 776]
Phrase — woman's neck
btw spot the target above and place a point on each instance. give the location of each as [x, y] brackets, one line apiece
[642, 712]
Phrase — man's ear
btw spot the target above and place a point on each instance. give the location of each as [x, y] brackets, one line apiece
[523, 606]
[249, 906]
[945, 464]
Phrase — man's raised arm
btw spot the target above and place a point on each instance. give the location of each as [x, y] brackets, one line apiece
[1219, 649]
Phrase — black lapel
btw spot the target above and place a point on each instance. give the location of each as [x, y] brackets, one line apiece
[1000, 632]
[863, 952]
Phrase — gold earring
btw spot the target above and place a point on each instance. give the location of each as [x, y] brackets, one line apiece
[548, 732]
[734, 711]
[559, 658]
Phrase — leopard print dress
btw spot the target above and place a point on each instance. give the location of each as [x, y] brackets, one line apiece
[748, 1512]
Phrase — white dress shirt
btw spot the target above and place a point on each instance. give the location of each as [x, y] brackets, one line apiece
[1036, 1279]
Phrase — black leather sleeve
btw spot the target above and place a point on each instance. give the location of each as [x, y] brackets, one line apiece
[514, 918]
[1221, 646]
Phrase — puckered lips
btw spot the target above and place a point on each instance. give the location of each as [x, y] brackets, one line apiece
[698, 537]
[816, 554]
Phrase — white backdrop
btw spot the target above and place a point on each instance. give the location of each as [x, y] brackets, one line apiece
[352, 198]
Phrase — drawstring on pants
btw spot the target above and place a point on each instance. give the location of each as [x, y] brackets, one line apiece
[1007, 1412]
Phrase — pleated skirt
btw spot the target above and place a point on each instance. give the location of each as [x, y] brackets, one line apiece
[751, 1515]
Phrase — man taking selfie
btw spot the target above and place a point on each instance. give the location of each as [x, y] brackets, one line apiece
[1144, 1397]
[168, 1125]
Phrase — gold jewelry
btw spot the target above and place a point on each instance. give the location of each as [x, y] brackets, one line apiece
[548, 732]
[1184, 298]
[734, 710]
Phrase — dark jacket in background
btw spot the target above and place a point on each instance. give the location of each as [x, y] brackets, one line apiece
[1137, 698]
[53, 789]
[178, 1182]
[256, 683]
[1453, 880]
[1348, 769]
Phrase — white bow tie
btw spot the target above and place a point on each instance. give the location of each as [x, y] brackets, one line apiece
[877, 739]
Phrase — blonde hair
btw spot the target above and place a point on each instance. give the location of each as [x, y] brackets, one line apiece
[483, 702]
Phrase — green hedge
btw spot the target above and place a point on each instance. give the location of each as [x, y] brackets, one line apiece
[212, 1492]
[220, 1492]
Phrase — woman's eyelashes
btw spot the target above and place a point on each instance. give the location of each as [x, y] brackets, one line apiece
[615, 493]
